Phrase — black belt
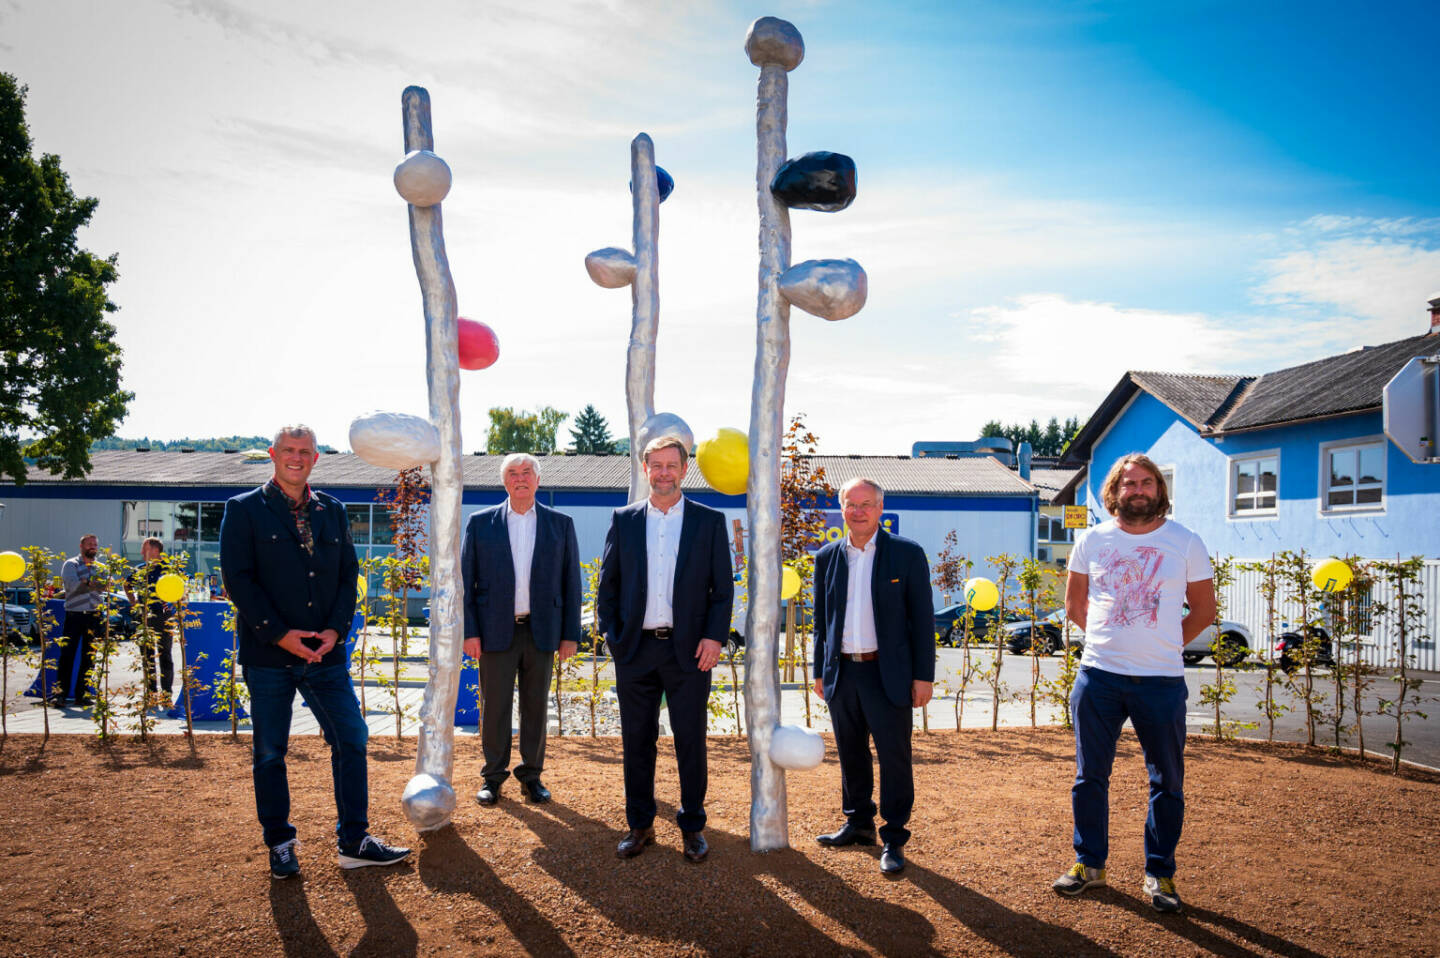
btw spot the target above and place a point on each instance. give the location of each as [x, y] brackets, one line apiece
[861, 656]
[660, 633]
[522, 619]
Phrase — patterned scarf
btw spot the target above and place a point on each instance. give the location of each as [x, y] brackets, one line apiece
[299, 511]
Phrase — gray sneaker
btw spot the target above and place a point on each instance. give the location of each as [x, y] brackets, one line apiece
[1163, 896]
[1078, 879]
[372, 852]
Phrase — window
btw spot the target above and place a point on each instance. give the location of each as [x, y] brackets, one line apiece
[1253, 485]
[1168, 472]
[1352, 477]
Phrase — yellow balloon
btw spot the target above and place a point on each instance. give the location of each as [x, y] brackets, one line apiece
[169, 587]
[789, 582]
[981, 594]
[725, 461]
[1332, 575]
[360, 587]
[12, 566]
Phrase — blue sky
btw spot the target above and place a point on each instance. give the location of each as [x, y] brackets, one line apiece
[1049, 194]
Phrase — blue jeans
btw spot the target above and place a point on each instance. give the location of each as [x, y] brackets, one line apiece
[1155, 705]
[327, 690]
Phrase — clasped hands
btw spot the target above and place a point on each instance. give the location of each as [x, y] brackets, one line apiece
[294, 643]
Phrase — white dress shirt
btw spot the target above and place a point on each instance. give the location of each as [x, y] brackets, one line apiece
[859, 634]
[662, 545]
[521, 527]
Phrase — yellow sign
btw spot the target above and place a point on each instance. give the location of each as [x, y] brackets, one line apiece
[1076, 517]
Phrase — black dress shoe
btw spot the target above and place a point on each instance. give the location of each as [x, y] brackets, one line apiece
[696, 848]
[536, 792]
[892, 859]
[634, 842]
[848, 835]
[489, 794]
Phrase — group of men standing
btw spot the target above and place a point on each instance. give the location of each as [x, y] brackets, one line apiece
[663, 609]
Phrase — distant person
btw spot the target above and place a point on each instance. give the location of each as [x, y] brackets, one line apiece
[521, 567]
[157, 617]
[664, 613]
[84, 620]
[1129, 578]
[290, 568]
[874, 661]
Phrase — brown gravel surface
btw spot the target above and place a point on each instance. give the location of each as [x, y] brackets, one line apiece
[135, 848]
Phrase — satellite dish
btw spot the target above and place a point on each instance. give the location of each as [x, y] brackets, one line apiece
[1412, 409]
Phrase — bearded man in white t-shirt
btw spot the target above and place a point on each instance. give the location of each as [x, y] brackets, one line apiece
[1130, 578]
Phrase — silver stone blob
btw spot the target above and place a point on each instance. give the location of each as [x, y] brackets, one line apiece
[394, 440]
[666, 424]
[829, 288]
[610, 267]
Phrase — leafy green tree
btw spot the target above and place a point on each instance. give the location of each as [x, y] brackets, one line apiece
[591, 433]
[59, 362]
[523, 431]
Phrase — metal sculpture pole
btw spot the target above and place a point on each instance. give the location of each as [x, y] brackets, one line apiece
[833, 289]
[612, 268]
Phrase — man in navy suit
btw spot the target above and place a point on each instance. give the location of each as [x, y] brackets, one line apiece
[874, 662]
[663, 605]
[522, 603]
[290, 569]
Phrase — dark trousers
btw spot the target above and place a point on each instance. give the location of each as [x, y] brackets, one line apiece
[1155, 705]
[159, 643]
[639, 685]
[860, 711]
[80, 631]
[499, 671]
[327, 690]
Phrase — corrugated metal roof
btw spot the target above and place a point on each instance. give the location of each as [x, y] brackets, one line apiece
[899, 475]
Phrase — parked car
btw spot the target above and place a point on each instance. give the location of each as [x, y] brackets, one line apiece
[19, 623]
[950, 624]
[1049, 632]
[1238, 644]
[1288, 645]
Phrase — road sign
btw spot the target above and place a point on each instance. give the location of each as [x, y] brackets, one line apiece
[1412, 409]
[1076, 517]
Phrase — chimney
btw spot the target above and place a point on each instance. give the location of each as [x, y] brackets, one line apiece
[1434, 313]
[1024, 456]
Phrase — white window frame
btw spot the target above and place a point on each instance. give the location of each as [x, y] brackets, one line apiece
[1232, 485]
[1354, 444]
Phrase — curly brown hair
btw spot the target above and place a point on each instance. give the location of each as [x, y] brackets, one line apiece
[1110, 490]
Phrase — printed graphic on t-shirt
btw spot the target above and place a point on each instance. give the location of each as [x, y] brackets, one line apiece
[1134, 580]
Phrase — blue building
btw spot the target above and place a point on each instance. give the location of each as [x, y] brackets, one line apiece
[1291, 459]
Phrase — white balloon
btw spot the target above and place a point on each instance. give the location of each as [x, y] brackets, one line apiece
[422, 178]
[798, 749]
[395, 440]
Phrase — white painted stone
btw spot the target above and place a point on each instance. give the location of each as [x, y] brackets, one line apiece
[610, 267]
[796, 748]
[422, 178]
[395, 440]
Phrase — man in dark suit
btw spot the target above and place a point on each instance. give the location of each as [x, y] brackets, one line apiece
[290, 569]
[664, 606]
[522, 603]
[874, 662]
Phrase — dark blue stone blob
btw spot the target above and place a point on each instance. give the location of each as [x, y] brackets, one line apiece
[664, 182]
[821, 180]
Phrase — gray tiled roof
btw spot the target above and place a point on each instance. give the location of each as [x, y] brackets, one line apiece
[1049, 482]
[1350, 382]
[1198, 398]
[900, 475]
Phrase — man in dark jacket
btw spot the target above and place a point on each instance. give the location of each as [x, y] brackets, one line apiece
[290, 569]
[874, 661]
[663, 605]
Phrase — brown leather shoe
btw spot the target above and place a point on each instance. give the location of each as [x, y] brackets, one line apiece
[634, 842]
[696, 848]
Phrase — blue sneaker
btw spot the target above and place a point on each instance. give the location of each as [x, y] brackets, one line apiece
[371, 852]
[283, 862]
